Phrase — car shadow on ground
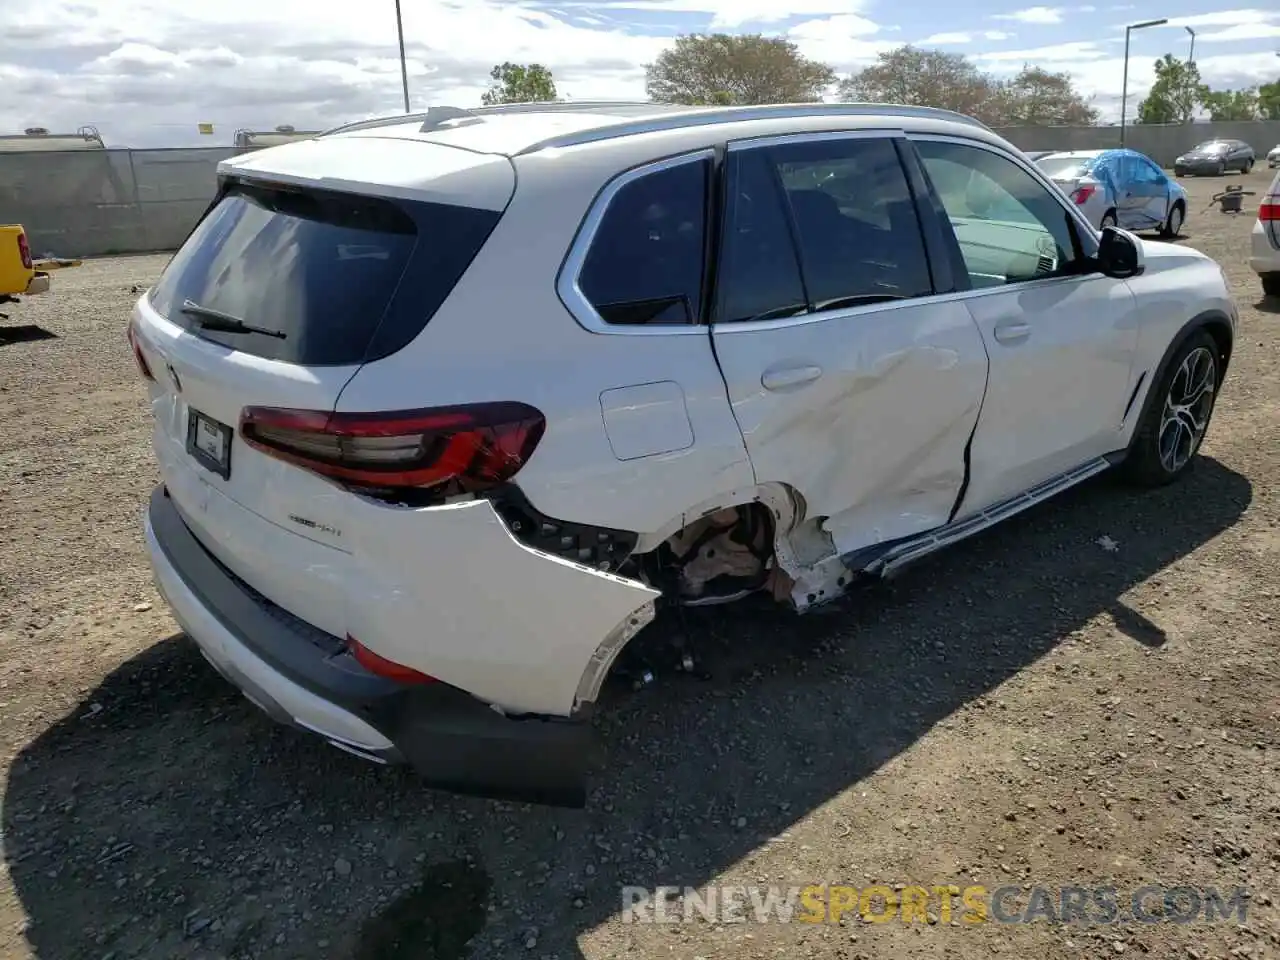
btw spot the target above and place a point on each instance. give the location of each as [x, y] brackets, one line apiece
[165, 817]
[1268, 305]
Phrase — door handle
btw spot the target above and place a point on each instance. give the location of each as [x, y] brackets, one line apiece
[1012, 332]
[783, 378]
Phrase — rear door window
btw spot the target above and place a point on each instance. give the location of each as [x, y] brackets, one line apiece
[318, 277]
[645, 264]
[847, 204]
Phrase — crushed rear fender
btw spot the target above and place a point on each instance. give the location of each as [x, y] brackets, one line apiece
[449, 591]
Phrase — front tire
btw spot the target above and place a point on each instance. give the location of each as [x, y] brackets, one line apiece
[1177, 416]
[1248, 165]
[1173, 226]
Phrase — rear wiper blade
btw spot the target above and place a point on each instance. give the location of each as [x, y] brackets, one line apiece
[210, 319]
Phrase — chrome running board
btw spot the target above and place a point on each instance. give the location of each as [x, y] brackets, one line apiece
[899, 555]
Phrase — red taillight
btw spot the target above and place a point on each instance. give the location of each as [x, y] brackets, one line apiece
[477, 445]
[139, 358]
[1270, 209]
[384, 667]
[24, 251]
[1081, 194]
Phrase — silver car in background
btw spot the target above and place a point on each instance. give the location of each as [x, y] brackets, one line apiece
[1119, 188]
[1273, 156]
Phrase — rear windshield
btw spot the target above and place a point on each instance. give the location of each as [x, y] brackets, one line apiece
[1065, 168]
[317, 277]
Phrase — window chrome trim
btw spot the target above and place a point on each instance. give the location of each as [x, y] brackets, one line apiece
[1088, 231]
[852, 313]
[567, 286]
[815, 136]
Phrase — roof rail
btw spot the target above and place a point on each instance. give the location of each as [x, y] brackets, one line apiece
[683, 117]
[435, 115]
[620, 107]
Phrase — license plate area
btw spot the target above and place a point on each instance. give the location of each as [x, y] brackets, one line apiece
[209, 443]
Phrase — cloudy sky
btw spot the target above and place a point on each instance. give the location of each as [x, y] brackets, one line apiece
[145, 72]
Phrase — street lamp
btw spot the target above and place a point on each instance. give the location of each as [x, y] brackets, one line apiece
[1124, 93]
[404, 69]
[1191, 57]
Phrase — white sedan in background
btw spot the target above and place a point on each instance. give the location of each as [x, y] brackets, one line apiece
[1119, 188]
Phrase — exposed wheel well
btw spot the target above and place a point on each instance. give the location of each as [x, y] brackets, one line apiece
[1220, 330]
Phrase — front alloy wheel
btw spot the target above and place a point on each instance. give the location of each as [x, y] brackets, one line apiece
[1187, 407]
[1177, 415]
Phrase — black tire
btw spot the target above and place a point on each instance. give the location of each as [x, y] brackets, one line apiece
[1144, 463]
[1271, 284]
[1248, 165]
[1108, 220]
[1168, 231]
[1179, 172]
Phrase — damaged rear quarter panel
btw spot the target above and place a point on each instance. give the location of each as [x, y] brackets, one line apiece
[450, 592]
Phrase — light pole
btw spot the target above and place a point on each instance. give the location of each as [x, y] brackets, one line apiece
[1124, 93]
[1191, 57]
[404, 69]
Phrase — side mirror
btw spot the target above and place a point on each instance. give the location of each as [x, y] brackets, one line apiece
[1120, 254]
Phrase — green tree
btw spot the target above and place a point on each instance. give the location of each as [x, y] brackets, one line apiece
[519, 83]
[1175, 94]
[926, 78]
[719, 68]
[1230, 104]
[936, 78]
[1269, 101]
[1036, 97]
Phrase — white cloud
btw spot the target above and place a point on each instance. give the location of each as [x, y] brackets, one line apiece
[1241, 31]
[943, 39]
[962, 36]
[1055, 54]
[735, 13]
[1225, 18]
[1033, 15]
[846, 25]
[147, 71]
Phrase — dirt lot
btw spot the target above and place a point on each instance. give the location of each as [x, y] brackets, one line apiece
[1030, 709]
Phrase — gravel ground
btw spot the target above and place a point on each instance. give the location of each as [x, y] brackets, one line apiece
[1030, 708]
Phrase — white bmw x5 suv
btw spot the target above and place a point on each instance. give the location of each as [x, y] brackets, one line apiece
[445, 405]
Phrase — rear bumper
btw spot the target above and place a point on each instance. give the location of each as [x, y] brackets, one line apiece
[38, 284]
[1263, 257]
[305, 678]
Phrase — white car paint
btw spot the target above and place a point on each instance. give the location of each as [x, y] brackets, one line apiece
[1264, 240]
[851, 426]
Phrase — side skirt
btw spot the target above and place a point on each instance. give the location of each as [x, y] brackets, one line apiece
[900, 555]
